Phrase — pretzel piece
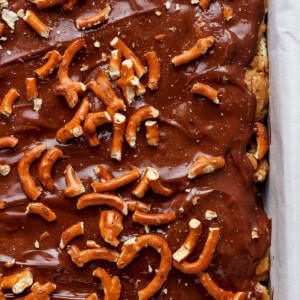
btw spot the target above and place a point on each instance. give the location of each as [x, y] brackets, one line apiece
[53, 59]
[41, 210]
[103, 173]
[133, 246]
[154, 70]
[127, 53]
[119, 125]
[31, 88]
[28, 184]
[74, 185]
[204, 4]
[134, 205]
[8, 142]
[153, 219]
[115, 61]
[70, 233]
[17, 282]
[82, 257]
[44, 171]
[228, 13]
[36, 23]
[142, 114]
[216, 292]
[111, 285]
[92, 296]
[206, 91]
[7, 102]
[41, 4]
[103, 199]
[110, 226]
[67, 87]
[205, 257]
[190, 242]
[94, 120]
[152, 133]
[200, 48]
[116, 182]
[151, 180]
[69, 4]
[40, 291]
[102, 88]
[204, 165]
[2, 27]
[73, 128]
[261, 140]
[94, 20]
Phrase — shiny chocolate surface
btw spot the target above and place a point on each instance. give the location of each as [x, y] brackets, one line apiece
[189, 125]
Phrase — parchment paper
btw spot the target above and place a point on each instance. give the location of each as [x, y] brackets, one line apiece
[283, 190]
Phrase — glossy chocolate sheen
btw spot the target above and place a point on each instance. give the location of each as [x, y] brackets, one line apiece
[188, 124]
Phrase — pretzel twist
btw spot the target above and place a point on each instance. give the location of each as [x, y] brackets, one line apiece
[67, 87]
[74, 185]
[7, 102]
[53, 60]
[133, 246]
[28, 184]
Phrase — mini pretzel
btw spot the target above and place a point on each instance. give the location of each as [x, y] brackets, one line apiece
[102, 88]
[190, 242]
[134, 205]
[205, 257]
[94, 20]
[35, 22]
[69, 4]
[17, 282]
[116, 182]
[152, 134]
[70, 233]
[103, 173]
[30, 155]
[133, 246]
[110, 226]
[127, 53]
[40, 291]
[216, 292]
[67, 87]
[154, 70]
[42, 210]
[111, 286]
[44, 171]
[204, 165]
[54, 58]
[128, 81]
[200, 48]
[119, 124]
[94, 120]
[92, 139]
[41, 4]
[73, 128]
[151, 180]
[8, 142]
[153, 219]
[206, 91]
[228, 13]
[82, 257]
[103, 199]
[74, 184]
[92, 297]
[115, 61]
[204, 4]
[7, 102]
[261, 140]
[31, 88]
[140, 115]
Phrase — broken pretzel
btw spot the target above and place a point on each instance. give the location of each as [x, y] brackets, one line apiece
[74, 185]
[53, 59]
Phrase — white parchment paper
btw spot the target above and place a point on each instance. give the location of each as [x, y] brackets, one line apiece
[283, 191]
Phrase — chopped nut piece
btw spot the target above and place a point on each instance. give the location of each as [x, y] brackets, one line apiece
[10, 18]
[210, 215]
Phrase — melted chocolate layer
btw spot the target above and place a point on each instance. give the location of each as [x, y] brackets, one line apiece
[189, 125]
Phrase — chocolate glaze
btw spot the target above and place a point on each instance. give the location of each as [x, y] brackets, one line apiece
[189, 125]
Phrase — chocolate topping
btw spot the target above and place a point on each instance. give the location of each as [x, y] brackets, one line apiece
[189, 125]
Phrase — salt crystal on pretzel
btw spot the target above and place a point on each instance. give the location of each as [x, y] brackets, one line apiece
[111, 285]
[36, 23]
[142, 114]
[41, 210]
[17, 282]
[204, 258]
[206, 91]
[153, 219]
[154, 70]
[82, 257]
[74, 185]
[67, 87]
[133, 246]
[53, 59]
[70, 233]
[94, 20]
[7, 102]
[28, 184]
[200, 48]
[119, 125]
[127, 53]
